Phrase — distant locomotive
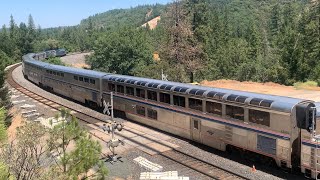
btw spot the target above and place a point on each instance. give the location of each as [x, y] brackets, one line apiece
[273, 126]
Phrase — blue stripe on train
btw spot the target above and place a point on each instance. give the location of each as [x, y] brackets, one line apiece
[310, 144]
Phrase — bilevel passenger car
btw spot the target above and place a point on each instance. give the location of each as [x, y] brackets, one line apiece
[272, 126]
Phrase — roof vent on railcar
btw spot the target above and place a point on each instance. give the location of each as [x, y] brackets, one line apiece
[131, 81]
[232, 97]
[193, 91]
[123, 79]
[255, 101]
[266, 103]
[180, 89]
[200, 92]
[141, 83]
[197, 92]
[241, 99]
[261, 102]
[166, 87]
[215, 95]
[153, 85]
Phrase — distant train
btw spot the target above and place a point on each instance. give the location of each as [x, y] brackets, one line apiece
[51, 53]
[274, 127]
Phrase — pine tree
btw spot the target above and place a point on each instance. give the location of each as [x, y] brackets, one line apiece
[182, 47]
[13, 27]
[275, 20]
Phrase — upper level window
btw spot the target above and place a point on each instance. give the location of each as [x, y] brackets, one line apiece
[195, 104]
[140, 93]
[86, 80]
[120, 88]
[92, 81]
[214, 108]
[152, 95]
[130, 91]
[165, 98]
[80, 78]
[179, 101]
[259, 117]
[235, 112]
[111, 87]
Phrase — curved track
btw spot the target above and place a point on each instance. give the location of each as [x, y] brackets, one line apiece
[208, 169]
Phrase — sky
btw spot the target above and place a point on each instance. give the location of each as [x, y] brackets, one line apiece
[54, 13]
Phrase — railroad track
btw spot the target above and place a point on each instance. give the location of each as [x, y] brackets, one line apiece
[201, 166]
[193, 163]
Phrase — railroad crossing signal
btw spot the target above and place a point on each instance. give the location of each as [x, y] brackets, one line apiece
[107, 108]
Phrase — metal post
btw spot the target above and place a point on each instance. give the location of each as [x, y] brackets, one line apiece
[317, 160]
[112, 124]
[111, 96]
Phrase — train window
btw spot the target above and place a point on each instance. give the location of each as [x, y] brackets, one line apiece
[120, 88]
[111, 87]
[195, 104]
[62, 74]
[86, 80]
[141, 110]
[75, 78]
[179, 101]
[80, 78]
[214, 108]
[165, 98]
[235, 112]
[54, 73]
[58, 74]
[130, 91]
[196, 124]
[259, 117]
[48, 71]
[152, 95]
[140, 93]
[153, 114]
[92, 81]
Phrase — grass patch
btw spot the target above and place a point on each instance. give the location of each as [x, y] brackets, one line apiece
[305, 85]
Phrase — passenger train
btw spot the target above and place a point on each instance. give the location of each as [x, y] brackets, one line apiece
[276, 127]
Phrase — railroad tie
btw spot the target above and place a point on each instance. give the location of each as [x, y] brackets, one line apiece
[143, 162]
[18, 102]
[26, 106]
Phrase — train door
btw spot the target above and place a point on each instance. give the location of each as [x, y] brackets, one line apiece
[195, 129]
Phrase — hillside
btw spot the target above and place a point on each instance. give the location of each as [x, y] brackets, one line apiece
[152, 23]
[130, 17]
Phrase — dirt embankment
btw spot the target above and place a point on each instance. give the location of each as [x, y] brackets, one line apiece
[266, 88]
[76, 60]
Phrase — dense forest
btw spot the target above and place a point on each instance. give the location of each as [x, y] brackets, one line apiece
[261, 41]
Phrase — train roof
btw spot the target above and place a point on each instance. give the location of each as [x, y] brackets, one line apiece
[29, 59]
[81, 72]
[77, 71]
[278, 103]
